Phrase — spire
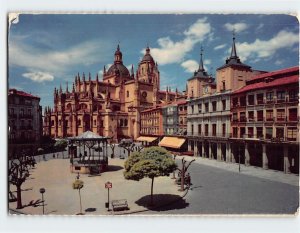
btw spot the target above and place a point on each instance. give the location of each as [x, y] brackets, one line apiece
[147, 49]
[83, 77]
[132, 71]
[60, 89]
[73, 88]
[89, 76]
[104, 70]
[233, 49]
[78, 77]
[201, 68]
[118, 56]
[97, 79]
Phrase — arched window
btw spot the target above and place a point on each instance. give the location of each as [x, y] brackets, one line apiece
[121, 122]
[95, 122]
[125, 122]
[79, 122]
[127, 94]
[52, 123]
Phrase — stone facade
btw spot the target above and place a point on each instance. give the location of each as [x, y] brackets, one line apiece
[110, 107]
[24, 118]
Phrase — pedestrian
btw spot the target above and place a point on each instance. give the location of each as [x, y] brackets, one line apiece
[53, 156]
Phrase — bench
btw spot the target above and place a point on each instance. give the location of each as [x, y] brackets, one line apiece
[119, 204]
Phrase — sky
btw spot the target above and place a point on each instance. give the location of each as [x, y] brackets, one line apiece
[48, 50]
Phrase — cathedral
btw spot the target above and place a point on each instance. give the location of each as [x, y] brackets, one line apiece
[110, 107]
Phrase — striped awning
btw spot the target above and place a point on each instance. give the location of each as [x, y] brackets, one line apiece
[146, 139]
[172, 142]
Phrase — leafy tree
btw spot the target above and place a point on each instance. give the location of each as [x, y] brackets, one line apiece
[61, 144]
[130, 145]
[151, 162]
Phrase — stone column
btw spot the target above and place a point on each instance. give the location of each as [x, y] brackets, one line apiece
[287, 164]
[189, 145]
[232, 155]
[195, 148]
[203, 149]
[219, 152]
[264, 157]
[247, 155]
[209, 151]
[228, 152]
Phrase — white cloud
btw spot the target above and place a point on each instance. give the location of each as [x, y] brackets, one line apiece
[170, 51]
[207, 61]
[237, 27]
[190, 66]
[278, 62]
[260, 26]
[264, 49]
[221, 46]
[35, 59]
[38, 76]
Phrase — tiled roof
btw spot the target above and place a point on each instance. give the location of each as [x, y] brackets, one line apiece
[272, 83]
[274, 73]
[22, 93]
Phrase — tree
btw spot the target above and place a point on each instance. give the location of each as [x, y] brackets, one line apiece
[151, 162]
[129, 145]
[78, 184]
[183, 171]
[18, 172]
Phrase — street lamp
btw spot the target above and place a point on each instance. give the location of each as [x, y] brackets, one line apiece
[42, 191]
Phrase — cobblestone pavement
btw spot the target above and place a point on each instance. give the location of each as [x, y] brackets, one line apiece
[60, 198]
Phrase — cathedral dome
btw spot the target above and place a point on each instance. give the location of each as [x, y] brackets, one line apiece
[118, 68]
[147, 57]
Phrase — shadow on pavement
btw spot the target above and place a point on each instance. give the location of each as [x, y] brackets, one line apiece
[90, 210]
[163, 202]
[113, 168]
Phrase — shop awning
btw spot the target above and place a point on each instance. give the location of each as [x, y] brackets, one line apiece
[146, 139]
[172, 142]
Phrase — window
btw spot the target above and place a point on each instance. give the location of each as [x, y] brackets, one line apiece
[235, 102]
[95, 122]
[79, 122]
[192, 129]
[192, 109]
[206, 129]
[250, 99]
[206, 107]
[260, 115]
[59, 123]
[280, 96]
[280, 114]
[223, 130]
[269, 133]
[199, 129]
[66, 122]
[214, 129]
[259, 132]
[292, 133]
[260, 98]
[269, 96]
[52, 123]
[234, 116]
[223, 85]
[214, 106]
[235, 132]
[293, 95]
[121, 122]
[269, 115]
[243, 101]
[125, 122]
[251, 115]
[293, 114]
[224, 105]
[243, 117]
[279, 133]
[250, 132]
[21, 111]
[199, 108]
[243, 131]
[29, 111]
[185, 108]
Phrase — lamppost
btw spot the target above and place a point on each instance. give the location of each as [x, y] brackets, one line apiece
[42, 191]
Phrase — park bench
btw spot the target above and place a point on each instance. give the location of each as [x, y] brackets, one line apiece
[119, 204]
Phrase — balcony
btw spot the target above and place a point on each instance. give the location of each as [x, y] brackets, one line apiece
[243, 119]
[270, 119]
[209, 134]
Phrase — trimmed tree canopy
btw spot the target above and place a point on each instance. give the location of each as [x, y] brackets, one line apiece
[151, 162]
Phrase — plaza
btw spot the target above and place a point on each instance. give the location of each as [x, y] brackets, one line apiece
[217, 188]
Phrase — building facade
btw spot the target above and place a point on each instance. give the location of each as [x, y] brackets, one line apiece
[265, 121]
[24, 118]
[209, 115]
[110, 107]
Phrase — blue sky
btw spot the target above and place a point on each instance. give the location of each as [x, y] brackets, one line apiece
[48, 50]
